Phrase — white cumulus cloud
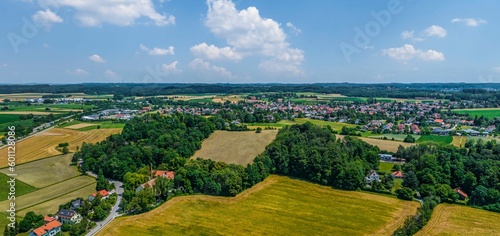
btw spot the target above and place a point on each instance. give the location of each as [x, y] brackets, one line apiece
[117, 12]
[46, 18]
[111, 74]
[170, 68]
[212, 52]
[78, 72]
[201, 65]
[97, 58]
[436, 30]
[294, 29]
[473, 22]
[408, 52]
[158, 51]
[407, 34]
[248, 33]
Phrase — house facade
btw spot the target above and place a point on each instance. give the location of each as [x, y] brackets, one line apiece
[372, 176]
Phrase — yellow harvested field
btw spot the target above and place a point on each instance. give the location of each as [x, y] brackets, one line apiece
[387, 145]
[235, 147]
[44, 144]
[231, 98]
[36, 173]
[459, 141]
[451, 219]
[49, 193]
[277, 206]
[79, 126]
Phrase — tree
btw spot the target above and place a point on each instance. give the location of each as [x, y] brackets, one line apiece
[405, 193]
[65, 150]
[259, 130]
[410, 180]
[6, 232]
[102, 183]
[409, 139]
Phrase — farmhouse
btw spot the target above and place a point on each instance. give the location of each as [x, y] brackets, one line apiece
[372, 176]
[151, 182]
[50, 228]
[68, 216]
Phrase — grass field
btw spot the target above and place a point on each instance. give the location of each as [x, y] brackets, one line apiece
[283, 123]
[18, 108]
[451, 219]
[459, 141]
[235, 147]
[387, 145]
[7, 118]
[277, 206]
[434, 138]
[44, 144]
[489, 113]
[231, 98]
[86, 126]
[46, 172]
[385, 167]
[397, 137]
[21, 188]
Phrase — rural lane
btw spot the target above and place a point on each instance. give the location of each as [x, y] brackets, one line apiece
[114, 210]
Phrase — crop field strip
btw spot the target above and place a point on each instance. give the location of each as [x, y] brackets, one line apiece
[35, 173]
[453, 219]
[44, 144]
[278, 205]
[49, 193]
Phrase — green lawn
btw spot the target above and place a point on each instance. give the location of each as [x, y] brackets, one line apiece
[397, 137]
[283, 123]
[7, 118]
[385, 167]
[21, 187]
[487, 113]
[55, 108]
[200, 100]
[398, 183]
[436, 139]
[102, 124]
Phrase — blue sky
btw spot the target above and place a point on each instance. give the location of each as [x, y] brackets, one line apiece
[249, 41]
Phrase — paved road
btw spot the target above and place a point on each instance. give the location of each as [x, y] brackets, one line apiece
[114, 210]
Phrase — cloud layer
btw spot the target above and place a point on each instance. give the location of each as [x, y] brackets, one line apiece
[408, 52]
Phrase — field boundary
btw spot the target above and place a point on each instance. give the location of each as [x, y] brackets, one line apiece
[50, 199]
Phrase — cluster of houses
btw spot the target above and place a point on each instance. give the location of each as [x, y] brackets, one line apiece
[57, 100]
[112, 114]
[53, 224]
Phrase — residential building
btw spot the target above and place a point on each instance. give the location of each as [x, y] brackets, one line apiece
[50, 228]
[372, 176]
[68, 216]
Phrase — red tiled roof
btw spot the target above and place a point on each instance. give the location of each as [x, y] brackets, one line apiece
[167, 174]
[48, 219]
[47, 227]
[103, 193]
[459, 191]
[438, 120]
[397, 174]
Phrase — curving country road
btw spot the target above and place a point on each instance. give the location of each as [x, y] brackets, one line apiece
[114, 210]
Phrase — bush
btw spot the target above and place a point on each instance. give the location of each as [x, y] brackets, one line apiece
[405, 193]
[259, 130]
[63, 144]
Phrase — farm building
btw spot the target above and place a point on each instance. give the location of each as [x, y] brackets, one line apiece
[152, 178]
[385, 157]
